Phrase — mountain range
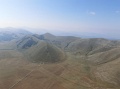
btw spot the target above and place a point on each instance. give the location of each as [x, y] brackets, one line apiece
[7, 34]
[63, 62]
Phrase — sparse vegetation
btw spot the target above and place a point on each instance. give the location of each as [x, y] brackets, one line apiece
[55, 62]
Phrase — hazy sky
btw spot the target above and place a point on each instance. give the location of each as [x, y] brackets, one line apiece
[96, 16]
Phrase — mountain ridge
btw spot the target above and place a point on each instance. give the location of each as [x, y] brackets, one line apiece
[91, 62]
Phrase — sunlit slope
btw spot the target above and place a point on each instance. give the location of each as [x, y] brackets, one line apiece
[91, 46]
[107, 65]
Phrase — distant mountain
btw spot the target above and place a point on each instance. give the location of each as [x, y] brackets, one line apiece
[7, 34]
[60, 41]
[86, 46]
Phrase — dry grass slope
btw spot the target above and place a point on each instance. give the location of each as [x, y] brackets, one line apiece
[69, 63]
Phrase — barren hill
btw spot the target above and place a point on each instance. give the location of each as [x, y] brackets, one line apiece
[59, 62]
[38, 50]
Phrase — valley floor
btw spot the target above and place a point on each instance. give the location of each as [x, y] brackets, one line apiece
[73, 73]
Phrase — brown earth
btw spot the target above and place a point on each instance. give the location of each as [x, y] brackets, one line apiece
[88, 63]
[74, 73]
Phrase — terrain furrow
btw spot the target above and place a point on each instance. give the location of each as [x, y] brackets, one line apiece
[21, 79]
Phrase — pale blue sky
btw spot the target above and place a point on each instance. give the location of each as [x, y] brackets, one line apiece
[95, 16]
